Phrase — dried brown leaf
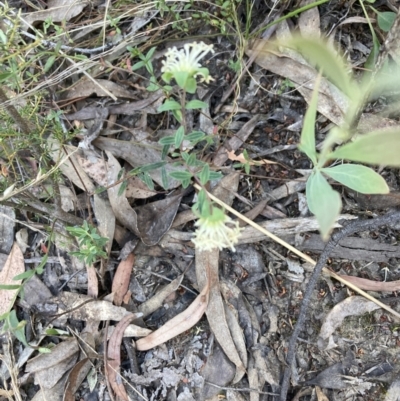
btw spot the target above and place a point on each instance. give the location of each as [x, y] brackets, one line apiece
[93, 285]
[178, 325]
[122, 278]
[76, 377]
[14, 266]
[370, 285]
[114, 357]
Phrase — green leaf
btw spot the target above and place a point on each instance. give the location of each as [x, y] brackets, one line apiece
[359, 178]
[379, 147]
[178, 138]
[177, 114]
[181, 175]
[215, 175]
[152, 166]
[169, 105]
[191, 161]
[185, 183]
[137, 65]
[196, 104]
[321, 54]
[9, 287]
[205, 174]
[323, 202]
[164, 152]
[122, 188]
[167, 140]
[191, 85]
[25, 275]
[164, 178]
[153, 85]
[49, 63]
[147, 180]
[195, 136]
[150, 53]
[386, 20]
[307, 139]
[181, 78]
[5, 76]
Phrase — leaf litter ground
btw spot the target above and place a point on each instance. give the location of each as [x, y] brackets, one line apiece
[104, 314]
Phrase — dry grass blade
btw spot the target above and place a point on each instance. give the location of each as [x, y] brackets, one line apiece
[301, 254]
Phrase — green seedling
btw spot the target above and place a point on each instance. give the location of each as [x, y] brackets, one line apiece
[91, 244]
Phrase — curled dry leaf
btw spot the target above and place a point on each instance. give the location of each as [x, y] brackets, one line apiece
[114, 356]
[122, 278]
[179, 324]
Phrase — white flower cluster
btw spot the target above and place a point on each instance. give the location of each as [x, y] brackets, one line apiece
[216, 231]
[187, 60]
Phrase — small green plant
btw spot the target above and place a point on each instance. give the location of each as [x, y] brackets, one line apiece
[91, 244]
[380, 147]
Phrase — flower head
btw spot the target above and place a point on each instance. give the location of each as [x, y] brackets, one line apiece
[184, 66]
[216, 231]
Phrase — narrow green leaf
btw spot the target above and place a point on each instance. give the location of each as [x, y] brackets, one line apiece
[122, 188]
[177, 114]
[192, 161]
[178, 138]
[9, 287]
[147, 180]
[195, 136]
[49, 63]
[323, 202]
[359, 178]
[5, 76]
[137, 65]
[307, 139]
[379, 147]
[164, 178]
[205, 174]
[169, 105]
[25, 275]
[152, 166]
[185, 183]
[150, 53]
[167, 140]
[215, 175]
[196, 104]
[181, 175]
[164, 152]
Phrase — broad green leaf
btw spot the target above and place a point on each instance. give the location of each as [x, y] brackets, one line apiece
[196, 104]
[386, 20]
[177, 114]
[379, 147]
[169, 105]
[191, 85]
[181, 77]
[205, 174]
[5, 76]
[181, 175]
[359, 178]
[323, 202]
[167, 140]
[137, 65]
[178, 137]
[307, 139]
[321, 54]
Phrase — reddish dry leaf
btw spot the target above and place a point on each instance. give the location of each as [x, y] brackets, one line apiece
[122, 277]
[114, 356]
[179, 324]
[14, 265]
[370, 285]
